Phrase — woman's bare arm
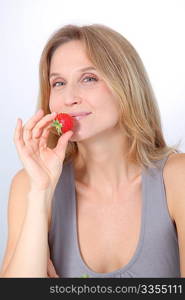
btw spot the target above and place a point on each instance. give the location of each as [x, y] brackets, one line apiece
[175, 179]
[17, 203]
[17, 207]
[43, 167]
[30, 255]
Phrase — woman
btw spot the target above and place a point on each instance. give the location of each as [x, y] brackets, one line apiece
[108, 196]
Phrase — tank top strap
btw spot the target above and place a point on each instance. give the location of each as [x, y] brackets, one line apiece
[159, 165]
[163, 161]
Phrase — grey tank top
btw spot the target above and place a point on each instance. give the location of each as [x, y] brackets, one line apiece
[157, 252]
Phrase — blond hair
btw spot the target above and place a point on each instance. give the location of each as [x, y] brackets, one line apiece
[122, 68]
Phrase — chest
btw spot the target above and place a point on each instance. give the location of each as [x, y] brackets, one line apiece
[108, 228]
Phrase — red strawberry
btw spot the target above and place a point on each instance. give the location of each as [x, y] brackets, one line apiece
[63, 123]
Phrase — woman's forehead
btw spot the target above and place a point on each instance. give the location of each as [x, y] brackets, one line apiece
[70, 55]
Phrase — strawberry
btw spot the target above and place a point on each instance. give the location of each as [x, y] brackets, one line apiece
[63, 123]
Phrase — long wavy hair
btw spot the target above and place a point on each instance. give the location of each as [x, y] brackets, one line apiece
[123, 70]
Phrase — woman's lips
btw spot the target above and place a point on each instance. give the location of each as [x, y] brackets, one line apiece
[81, 116]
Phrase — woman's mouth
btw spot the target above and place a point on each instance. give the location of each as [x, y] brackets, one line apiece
[79, 117]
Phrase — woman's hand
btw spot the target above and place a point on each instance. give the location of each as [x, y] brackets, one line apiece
[43, 165]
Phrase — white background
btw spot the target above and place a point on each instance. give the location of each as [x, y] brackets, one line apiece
[156, 28]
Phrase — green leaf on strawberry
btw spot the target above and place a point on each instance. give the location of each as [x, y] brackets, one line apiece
[63, 123]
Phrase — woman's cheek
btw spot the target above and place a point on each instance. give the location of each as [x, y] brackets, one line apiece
[51, 105]
[55, 104]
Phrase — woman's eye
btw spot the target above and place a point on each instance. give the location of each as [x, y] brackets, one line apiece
[85, 79]
[57, 83]
[89, 79]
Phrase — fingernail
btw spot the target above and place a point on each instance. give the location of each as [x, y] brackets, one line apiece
[17, 122]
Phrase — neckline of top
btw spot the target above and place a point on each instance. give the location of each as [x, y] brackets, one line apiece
[141, 234]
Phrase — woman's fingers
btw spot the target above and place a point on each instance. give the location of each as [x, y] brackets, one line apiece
[18, 135]
[37, 130]
[44, 137]
[33, 129]
[34, 135]
[62, 144]
[27, 132]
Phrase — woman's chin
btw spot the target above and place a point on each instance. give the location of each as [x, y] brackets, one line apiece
[77, 137]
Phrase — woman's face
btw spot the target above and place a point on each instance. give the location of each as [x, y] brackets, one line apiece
[76, 86]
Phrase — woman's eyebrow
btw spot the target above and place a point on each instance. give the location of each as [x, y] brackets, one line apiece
[80, 70]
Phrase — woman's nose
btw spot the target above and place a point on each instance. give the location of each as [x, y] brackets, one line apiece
[72, 96]
[72, 100]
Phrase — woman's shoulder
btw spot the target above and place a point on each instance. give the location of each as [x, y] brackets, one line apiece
[174, 167]
[174, 175]
[174, 180]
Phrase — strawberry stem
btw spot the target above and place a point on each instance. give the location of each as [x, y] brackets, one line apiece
[58, 126]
